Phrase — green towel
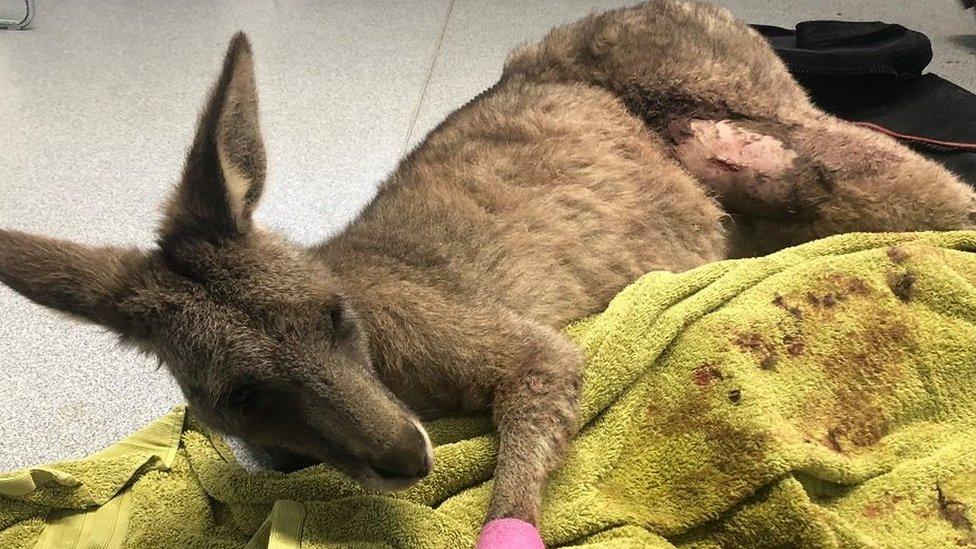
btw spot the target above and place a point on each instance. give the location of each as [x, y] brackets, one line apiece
[823, 396]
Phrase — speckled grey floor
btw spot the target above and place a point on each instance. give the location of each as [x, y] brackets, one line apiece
[97, 105]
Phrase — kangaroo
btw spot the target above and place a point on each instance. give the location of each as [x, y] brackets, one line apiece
[662, 136]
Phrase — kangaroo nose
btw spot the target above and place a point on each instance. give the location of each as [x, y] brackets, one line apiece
[410, 458]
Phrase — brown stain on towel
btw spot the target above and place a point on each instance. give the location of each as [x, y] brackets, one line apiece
[902, 285]
[898, 254]
[883, 505]
[850, 411]
[705, 374]
[735, 455]
[782, 303]
[953, 511]
[862, 381]
[794, 345]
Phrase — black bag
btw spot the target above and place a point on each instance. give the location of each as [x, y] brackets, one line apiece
[872, 74]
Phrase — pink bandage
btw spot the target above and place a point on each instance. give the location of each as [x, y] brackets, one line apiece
[510, 533]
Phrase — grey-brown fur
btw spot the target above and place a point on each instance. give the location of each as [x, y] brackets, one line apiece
[592, 161]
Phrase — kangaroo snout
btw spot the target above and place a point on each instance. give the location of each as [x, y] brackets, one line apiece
[409, 459]
[404, 460]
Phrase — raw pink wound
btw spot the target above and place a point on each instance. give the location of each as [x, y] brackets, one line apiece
[716, 151]
[509, 533]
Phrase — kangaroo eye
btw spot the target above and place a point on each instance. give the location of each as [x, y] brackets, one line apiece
[342, 328]
[335, 316]
[244, 398]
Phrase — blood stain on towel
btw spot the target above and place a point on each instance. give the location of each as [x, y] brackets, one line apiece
[902, 285]
[754, 342]
[882, 506]
[769, 363]
[733, 457]
[827, 300]
[856, 432]
[846, 284]
[780, 301]
[868, 377]
[850, 411]
[832, 441]
[864, 426]
[823, 303]
[705, 374]
[897, 254]
[840, 288]
[952, 511]
[888, 333]
[751, 341]
[794, 346]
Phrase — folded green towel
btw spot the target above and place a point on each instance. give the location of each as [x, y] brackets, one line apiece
[822, 396]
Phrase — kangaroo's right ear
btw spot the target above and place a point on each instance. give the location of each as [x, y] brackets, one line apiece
[88, 282]
[225, 168]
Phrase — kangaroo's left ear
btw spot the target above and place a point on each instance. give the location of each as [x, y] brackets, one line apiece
[225, 168]
[93, 283]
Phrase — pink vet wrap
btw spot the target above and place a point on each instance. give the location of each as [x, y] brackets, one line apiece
[509, 533]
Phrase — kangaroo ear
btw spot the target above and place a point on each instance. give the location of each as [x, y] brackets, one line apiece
[84, 281]
[225, 168]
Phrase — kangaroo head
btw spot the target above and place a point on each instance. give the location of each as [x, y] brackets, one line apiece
[258, 334]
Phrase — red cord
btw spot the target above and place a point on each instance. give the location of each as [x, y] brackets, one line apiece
[918, 139]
